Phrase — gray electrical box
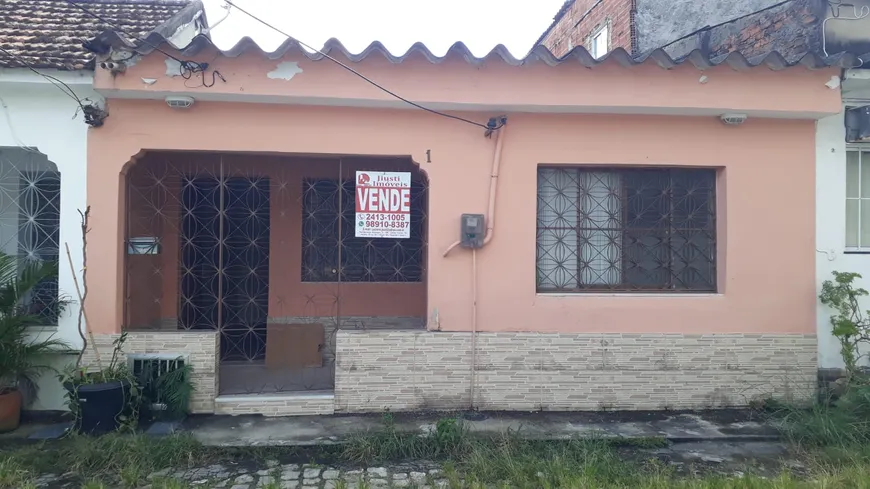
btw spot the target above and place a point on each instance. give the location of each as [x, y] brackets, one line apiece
[472, 230]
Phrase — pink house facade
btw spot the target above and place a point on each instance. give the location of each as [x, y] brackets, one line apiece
[627, 259]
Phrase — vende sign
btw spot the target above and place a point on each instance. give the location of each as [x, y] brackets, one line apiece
[383, 204]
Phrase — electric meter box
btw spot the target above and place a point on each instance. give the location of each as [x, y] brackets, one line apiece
[472, 229]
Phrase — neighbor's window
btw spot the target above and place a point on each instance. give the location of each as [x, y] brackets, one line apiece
[858, 200]
[328, 215]
[608, 229]
[30, 221]
[600, 41]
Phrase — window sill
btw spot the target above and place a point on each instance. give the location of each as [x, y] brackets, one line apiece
[856, 252]
[633, 295]
[42, 329]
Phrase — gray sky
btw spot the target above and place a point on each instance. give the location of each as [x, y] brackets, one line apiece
[480, 24]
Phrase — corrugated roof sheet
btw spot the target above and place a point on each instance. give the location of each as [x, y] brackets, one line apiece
[50, 33]
[332, 47]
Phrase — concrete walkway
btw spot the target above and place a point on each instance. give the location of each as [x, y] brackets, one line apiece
[721, 425]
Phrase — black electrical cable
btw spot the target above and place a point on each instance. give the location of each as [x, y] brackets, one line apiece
[497, 125]
[63, 87]
[94, 116]
[735, 19]
[188, 68]
[113, 26]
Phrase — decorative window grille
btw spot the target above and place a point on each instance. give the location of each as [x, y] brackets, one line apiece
[328, 215]
[608, 229]
[30, 221]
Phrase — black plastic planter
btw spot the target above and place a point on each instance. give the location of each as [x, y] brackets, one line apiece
[102, 405]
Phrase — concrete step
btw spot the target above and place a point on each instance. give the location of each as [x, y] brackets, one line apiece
[307, 403]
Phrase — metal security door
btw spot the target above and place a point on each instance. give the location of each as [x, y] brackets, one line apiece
[225, 262]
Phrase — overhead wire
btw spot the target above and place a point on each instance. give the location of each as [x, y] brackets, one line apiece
[187, 68]
[493, 125]
[18, 141]
[115, 27]
[735, 19]
[63, 87]
[94, 115]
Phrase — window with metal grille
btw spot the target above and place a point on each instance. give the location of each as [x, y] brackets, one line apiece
[603, 229]
[30, 222]
[858, 200]
[328, 215]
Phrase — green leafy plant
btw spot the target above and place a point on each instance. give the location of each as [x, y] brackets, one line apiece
[849, 325]
[167, 393]
[449, 434]
[20, 353]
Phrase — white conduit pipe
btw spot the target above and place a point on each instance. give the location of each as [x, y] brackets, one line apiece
[490, 232]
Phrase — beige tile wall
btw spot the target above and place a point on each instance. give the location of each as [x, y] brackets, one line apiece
[407, 370]
[418, 369]
[200, 348]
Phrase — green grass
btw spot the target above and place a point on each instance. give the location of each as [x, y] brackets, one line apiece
[14, 475]
[125, 461]
[841, 422]
[510, 461]
[129, 457]
[828, 423]
[451, 441]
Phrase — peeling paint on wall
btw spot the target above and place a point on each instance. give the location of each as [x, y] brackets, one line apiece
[285, 70]
[173, 67]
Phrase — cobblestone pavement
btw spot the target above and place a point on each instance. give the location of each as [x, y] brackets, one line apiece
[284, 476]
[296, 476]
[301, 476]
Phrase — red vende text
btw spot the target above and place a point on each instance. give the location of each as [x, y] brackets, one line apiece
[374, 199]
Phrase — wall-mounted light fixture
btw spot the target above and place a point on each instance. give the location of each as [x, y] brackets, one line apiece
[733, 119]
[179, 102]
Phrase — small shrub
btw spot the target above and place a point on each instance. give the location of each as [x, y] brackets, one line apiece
[388, 419]
[449, 434]
[849, 325]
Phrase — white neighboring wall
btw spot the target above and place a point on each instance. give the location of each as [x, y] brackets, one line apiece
[35, 113]
[831, 227]
[831, 150]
